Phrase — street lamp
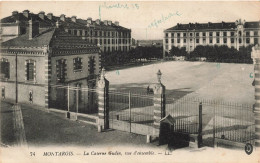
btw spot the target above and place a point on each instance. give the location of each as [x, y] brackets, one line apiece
[159, 75]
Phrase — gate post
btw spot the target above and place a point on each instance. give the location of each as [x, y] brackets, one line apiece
[103, 102]
[200, 126]
[255, 55]
[159, 104]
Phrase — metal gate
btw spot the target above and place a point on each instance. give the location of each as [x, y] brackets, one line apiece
[131, 112]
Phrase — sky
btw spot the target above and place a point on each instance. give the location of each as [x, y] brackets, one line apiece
[140, 16]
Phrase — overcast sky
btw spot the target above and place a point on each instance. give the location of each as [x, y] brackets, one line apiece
[138, 15]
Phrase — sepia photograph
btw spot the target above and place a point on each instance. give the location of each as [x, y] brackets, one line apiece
[129, 81]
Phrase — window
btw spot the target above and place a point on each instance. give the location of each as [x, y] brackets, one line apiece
[225, 40]
[75, 32]
[255, 40]
[5, 68]
[166, 41]
[166, 34]
[210, 34]
[204, 34]
[91, 32]
[86, 33]
[240, 40]
[191, 40]
[184, 34]
[100, 41]
[232, 33]
[210, 41]
[119, 41]
[80, 32]
[184, 40]
[204, 41]
[191, 34]
[3, 92]
[247, 40]
[197, 41]
[217, 34]
[77, 64]
[113, 41]
[30, 96]
[255, 33]
[247, 33]
[178, 34]
[172, 40]
[61, 70]
[224, 33]
[239, 33]
[96, 32]
[232, 40]
[178, 40]
[217, 40]
[197, 34]
[30, 70]
[69, 31]
[91, 64]
[108, 41]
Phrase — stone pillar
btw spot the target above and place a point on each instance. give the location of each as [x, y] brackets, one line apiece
[159, 105]
[255, 55]
[103, 102]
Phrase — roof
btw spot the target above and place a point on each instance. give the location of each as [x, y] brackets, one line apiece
[60, 41]
[209, 25]
[68, 23]
[168, 119]
[43, 39]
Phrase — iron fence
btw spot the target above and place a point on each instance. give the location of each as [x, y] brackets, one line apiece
[131, 107]
[77, 98]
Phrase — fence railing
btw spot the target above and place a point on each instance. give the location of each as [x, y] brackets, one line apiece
[133, 108]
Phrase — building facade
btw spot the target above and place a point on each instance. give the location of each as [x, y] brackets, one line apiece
[108, 35]
[47, 59]
[232, 34]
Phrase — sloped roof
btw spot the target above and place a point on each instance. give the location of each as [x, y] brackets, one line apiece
[204, 26]
[40, 40]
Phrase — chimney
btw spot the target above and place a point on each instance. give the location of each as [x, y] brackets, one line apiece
[58, 24]
[189, 25]
[105, 22]
[89, 20]
[222, 23]
[33, 29]
[62, 17]
[49, 16]
[178, 25]
[14, 13]
[98, 21]
[26, 13]
[109, 22]
[41, 15]
[74, 19]
[116, 23]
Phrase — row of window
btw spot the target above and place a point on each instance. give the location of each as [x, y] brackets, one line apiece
[107, 41]
[61, 67]
[247, 33]
[232, 40]
[108, 49]
[98, 33]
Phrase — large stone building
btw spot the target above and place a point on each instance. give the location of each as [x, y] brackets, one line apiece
[47, 58]
[232, 34]
[109, 36]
